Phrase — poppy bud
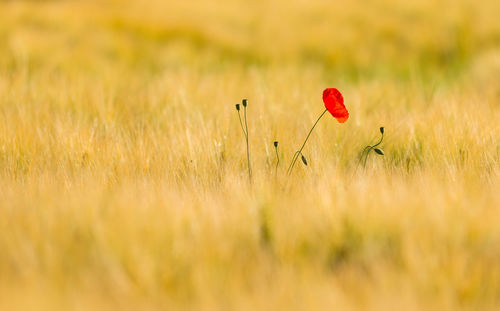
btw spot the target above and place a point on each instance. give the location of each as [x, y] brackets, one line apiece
[244, 102]
[382, 130]
[304, 160]
[238, 107]
[379, 151]
[276, 144]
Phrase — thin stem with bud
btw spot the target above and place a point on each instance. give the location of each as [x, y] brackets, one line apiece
[367, 149]
[245, 132]
[277, 157]
[299, 152]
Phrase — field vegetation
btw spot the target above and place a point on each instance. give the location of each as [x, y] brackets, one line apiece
[123, 168]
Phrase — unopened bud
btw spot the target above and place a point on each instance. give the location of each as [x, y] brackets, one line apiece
[304, 160]
[244, 102]
[379, 151]
[382, 130]
[276, 144]
[238, 107]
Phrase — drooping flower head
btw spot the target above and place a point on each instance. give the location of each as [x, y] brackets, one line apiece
[334, 103]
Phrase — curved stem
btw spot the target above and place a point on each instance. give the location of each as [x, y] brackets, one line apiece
[294, 158]
[371, 148]
[277, 160]
[380, 141]
[248, 151]
[362, 154]
[241, 123]
[303, 145]
[367, 153]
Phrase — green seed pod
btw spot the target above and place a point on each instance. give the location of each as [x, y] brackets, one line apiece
[379, 151]
[382, 130]
[276, 144]
[244, 102]
[304, 159]
[238, 107]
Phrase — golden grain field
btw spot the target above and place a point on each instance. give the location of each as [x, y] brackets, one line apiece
[123, 173]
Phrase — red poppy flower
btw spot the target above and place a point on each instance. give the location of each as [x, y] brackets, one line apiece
[334, 103]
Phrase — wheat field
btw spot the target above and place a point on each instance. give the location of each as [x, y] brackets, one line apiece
[123, 169]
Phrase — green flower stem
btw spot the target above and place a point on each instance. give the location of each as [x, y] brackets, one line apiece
[299, 152]
[241, 123]
[370, 148]
[277, 160]
[248, 151]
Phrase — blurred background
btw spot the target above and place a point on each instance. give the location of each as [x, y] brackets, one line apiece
[123, 178]
[358, 39]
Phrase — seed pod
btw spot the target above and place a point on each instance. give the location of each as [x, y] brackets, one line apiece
[244, 102]
[304, 159]
[276, 144]
[379, 151]
[382, 130]
[238, 107]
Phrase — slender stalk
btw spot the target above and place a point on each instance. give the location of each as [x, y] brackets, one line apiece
[248, 151]
[294, 158]
[363, 154]
[366, 156]
[380, 141]
[370, 148]
[241, 123]
[277, 157]
[299, 152]
[245, 133]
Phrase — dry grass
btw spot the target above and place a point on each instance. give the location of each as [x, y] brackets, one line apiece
[123, 169]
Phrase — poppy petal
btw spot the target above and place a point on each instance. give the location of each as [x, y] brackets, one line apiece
[334, 103]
